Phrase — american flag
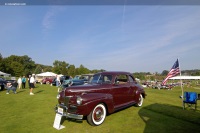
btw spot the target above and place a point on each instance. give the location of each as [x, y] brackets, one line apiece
[173, 72]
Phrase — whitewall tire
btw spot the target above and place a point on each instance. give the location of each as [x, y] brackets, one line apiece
[97, 115]
[139, 104]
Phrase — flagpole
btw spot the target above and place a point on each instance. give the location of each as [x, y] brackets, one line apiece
[181, 81]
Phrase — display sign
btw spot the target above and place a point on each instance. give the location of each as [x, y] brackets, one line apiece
[57, 121]
[60, 111]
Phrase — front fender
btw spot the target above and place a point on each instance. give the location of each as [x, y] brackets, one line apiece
[92, 99]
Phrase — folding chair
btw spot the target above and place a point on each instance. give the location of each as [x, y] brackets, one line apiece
[190, 99]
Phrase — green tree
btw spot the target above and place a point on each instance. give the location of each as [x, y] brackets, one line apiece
[196, 73]
[17, 68]
[1, 57]
[38, 69]
[28, 65]
[152, 78]
[83, 70]
[164, 72]
[3, 66]
[24, 65]
[96, 71]
[60, 67]
[71, 70]
[139, 75]
[47, 69]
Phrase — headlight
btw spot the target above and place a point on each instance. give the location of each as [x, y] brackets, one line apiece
[79, 100]
[58, 96]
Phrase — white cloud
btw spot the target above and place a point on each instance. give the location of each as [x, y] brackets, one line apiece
[49, 20]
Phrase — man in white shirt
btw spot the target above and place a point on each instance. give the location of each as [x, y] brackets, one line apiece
[58, 82]
[32, 80]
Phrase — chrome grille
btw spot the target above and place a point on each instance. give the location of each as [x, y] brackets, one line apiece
[66, 102]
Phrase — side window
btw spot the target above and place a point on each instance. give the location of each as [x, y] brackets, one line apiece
[101, 79]
[121, 79]
[95, 78]
[131, 79]
[107, 78]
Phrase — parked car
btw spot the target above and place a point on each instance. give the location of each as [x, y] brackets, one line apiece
[38, 80]
[168, 86]
[77, 76]
[54, 82]
[156, 86]
[65, 77]
[71, 82]
[86, 77]
[10, 81]
[62, 78]
[47, 80]
[106, 93]
[2, 84]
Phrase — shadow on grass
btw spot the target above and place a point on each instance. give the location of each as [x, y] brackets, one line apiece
[169, 118]
[39, 91]
[20, 91]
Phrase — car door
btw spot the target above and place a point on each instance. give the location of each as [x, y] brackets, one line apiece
[133, 87]
[120, 91]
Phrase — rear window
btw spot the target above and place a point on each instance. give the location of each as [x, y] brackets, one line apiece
[121, 79]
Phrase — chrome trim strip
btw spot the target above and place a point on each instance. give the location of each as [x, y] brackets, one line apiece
[74, 116]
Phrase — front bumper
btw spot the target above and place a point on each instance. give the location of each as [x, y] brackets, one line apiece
[65, 113]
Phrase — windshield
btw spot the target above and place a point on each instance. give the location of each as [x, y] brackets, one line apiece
[98, 78]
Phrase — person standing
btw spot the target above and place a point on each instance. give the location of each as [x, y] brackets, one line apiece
[29, 77]
[23, 82]
[19, 81]
[32, 81]
[58, 82]
[12, 86]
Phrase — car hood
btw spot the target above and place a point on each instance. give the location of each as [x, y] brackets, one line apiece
[87, 88]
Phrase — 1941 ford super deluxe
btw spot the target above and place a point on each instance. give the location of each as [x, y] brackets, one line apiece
[106, 93]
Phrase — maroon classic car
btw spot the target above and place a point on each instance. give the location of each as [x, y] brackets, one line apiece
[47, 80]
[106, 93]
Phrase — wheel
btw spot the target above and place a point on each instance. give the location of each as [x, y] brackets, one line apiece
[139, 104]
[97, 115]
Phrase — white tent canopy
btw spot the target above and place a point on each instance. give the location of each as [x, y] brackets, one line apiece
[186, 77]
[46, 74]
[39, 77]
[60, 75]
[4, 74]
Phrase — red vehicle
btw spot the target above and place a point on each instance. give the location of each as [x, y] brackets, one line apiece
[106, 93]
[47, 80]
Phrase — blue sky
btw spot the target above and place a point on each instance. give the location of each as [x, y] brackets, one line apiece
[123, 38]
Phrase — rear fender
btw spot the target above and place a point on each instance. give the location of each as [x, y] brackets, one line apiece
[137, 96]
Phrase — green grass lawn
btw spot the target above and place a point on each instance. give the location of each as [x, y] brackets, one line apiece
[161, 112]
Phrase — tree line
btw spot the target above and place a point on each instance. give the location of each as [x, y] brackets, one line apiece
[24, 65]
[160, 76]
